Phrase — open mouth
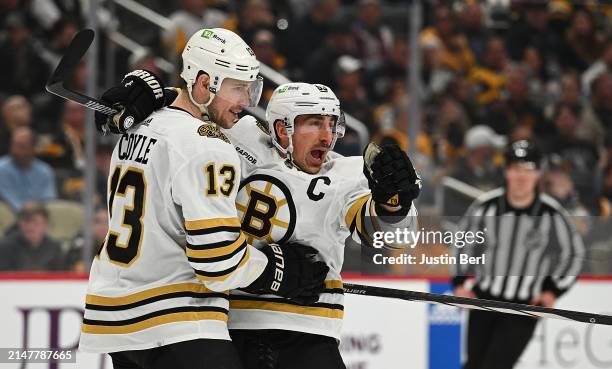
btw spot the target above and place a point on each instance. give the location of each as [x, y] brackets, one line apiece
[317, 155]
[236, 113]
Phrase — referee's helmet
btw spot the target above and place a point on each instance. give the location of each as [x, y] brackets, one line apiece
[523, 151]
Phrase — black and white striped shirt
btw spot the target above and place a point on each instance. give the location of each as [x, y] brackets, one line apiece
[527, 251]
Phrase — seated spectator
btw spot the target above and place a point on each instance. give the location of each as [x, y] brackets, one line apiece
[596, 117]
[22, 71]
[191, 17]
[456, 55]
[350, 89]
[255, 15]
[311, 31]
[24, 178]
[488, 78]
[316, 65]
[602, 65]
[374, 39]
[74, 260]
[16, 112]
[516, 109]
[578, 156]
[477, 167]
[29, 248]
[264, 47]
[583, 43]
[65, 150]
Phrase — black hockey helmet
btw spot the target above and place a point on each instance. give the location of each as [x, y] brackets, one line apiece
[523, 151]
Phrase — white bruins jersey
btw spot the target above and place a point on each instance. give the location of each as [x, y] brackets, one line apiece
[174, 246]
[279, 204]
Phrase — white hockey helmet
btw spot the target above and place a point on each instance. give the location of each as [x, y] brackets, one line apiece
[221, 54]
[291, 100]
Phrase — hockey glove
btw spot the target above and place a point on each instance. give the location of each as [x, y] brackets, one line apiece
[291, 272]
[391, 176]
[139, 94]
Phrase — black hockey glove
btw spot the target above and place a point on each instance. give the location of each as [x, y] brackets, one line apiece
[391, 175]
[292, 272]
[139, 94]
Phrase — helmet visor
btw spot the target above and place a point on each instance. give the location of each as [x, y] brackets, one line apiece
[243, 93]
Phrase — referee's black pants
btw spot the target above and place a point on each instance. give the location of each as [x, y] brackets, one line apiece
[280, 349]
[194, 354]
[496, 340]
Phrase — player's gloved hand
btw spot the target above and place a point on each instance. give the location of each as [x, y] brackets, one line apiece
[391, 176]
[291, 272]
[138, 95]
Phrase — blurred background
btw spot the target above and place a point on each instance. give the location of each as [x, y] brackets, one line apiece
[449, 81]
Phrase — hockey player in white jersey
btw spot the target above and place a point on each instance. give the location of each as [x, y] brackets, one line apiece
[295, 188]
[158, 289]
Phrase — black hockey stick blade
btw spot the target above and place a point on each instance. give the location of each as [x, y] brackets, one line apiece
[66, 68]
[479, 304]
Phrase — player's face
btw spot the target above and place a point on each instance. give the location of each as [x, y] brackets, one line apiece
[312, 138]
[522, 179]
[230, 100]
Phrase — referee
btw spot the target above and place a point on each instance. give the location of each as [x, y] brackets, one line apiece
[532, 255]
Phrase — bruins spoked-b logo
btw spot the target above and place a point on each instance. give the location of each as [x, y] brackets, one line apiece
[266, 210]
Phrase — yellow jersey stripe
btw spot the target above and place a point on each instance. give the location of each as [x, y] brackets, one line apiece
[354, 210]
[287, 308]
[143, 295]
[193, 225]
[153, 322]
[223, 277]
[333, 283]
[217, 251]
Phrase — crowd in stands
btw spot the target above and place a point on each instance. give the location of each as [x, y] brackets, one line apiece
[491, 72]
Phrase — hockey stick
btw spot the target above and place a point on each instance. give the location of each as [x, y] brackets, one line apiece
[65, 69]
[479, 304]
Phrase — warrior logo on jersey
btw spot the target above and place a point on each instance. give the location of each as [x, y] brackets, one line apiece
[266, 209]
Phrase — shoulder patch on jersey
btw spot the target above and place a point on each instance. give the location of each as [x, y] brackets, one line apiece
[211, 130]
[263, 127]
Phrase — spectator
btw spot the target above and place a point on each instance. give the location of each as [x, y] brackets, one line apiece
[488, 78]
[65, 150]
[455, 54]
[596, 117]
[24, 178]
[380, 83]
[29, 247]
[350, 90]
[191, 17]
[568, 93]
[255, 15]
[531, 29]
[74, 260]
[22, 71]
[16, 112]
[48, 13]
[578, 157]
[477, 167]
[583, 43]
[264, 46]
[311, 31]
[474, 29]
[516, 109]
[374, 40]
[339, 41]
[602, 65]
